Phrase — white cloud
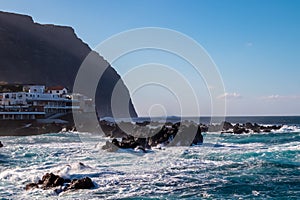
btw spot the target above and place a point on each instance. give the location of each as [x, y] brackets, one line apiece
[233, 95]
[280, 97]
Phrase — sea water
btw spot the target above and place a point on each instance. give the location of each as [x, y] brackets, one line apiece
[226, 166]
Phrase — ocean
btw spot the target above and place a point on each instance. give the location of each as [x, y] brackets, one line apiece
[225, 166]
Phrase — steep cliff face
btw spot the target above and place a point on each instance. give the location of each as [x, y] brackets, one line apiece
[51, 55]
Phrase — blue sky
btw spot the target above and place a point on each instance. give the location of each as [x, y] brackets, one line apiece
[254, 43]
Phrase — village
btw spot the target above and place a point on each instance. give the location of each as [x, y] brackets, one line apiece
[38, 102]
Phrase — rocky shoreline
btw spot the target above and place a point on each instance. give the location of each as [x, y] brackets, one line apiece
[159, 136]
[27, 127]
[140, 136]
[248, 128]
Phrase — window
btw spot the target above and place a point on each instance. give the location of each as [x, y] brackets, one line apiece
[57, 91]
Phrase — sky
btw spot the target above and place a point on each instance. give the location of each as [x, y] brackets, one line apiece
[255, 44]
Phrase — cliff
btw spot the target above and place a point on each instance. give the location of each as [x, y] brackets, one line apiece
[51, 55]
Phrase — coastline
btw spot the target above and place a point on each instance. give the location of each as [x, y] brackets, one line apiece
[244, 165]
[33, 127]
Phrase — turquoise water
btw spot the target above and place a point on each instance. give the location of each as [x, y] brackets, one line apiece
[226, 166]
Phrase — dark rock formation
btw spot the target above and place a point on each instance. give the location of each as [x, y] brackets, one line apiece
[168, 134]
[1, 145]
[256, 128]
[110, 146]
[227, 126]
[107, 127]
[247, 128]
[141, 136]
[237, 129]
[199, 137]
[28, 127]
[144, 123]
[51, 55]
[50, 180]
[30, 186]
[84, 183]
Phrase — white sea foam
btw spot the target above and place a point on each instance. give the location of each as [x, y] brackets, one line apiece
[288, 129]
[170, 172]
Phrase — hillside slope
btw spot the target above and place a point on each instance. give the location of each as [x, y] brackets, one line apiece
[49, 54]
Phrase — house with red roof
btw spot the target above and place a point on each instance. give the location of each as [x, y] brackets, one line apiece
[59, 90]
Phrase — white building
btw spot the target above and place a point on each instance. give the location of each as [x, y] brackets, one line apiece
[13, 98]
[34, 102]
[34, 88]
[60, 90]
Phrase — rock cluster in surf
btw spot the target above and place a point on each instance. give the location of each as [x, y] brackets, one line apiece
[59, 184]
[247, 128]
[141, 136]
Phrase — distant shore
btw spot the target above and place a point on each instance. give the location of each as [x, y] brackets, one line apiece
[249, 123]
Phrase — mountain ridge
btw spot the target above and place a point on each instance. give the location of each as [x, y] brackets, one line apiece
[49, 54]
